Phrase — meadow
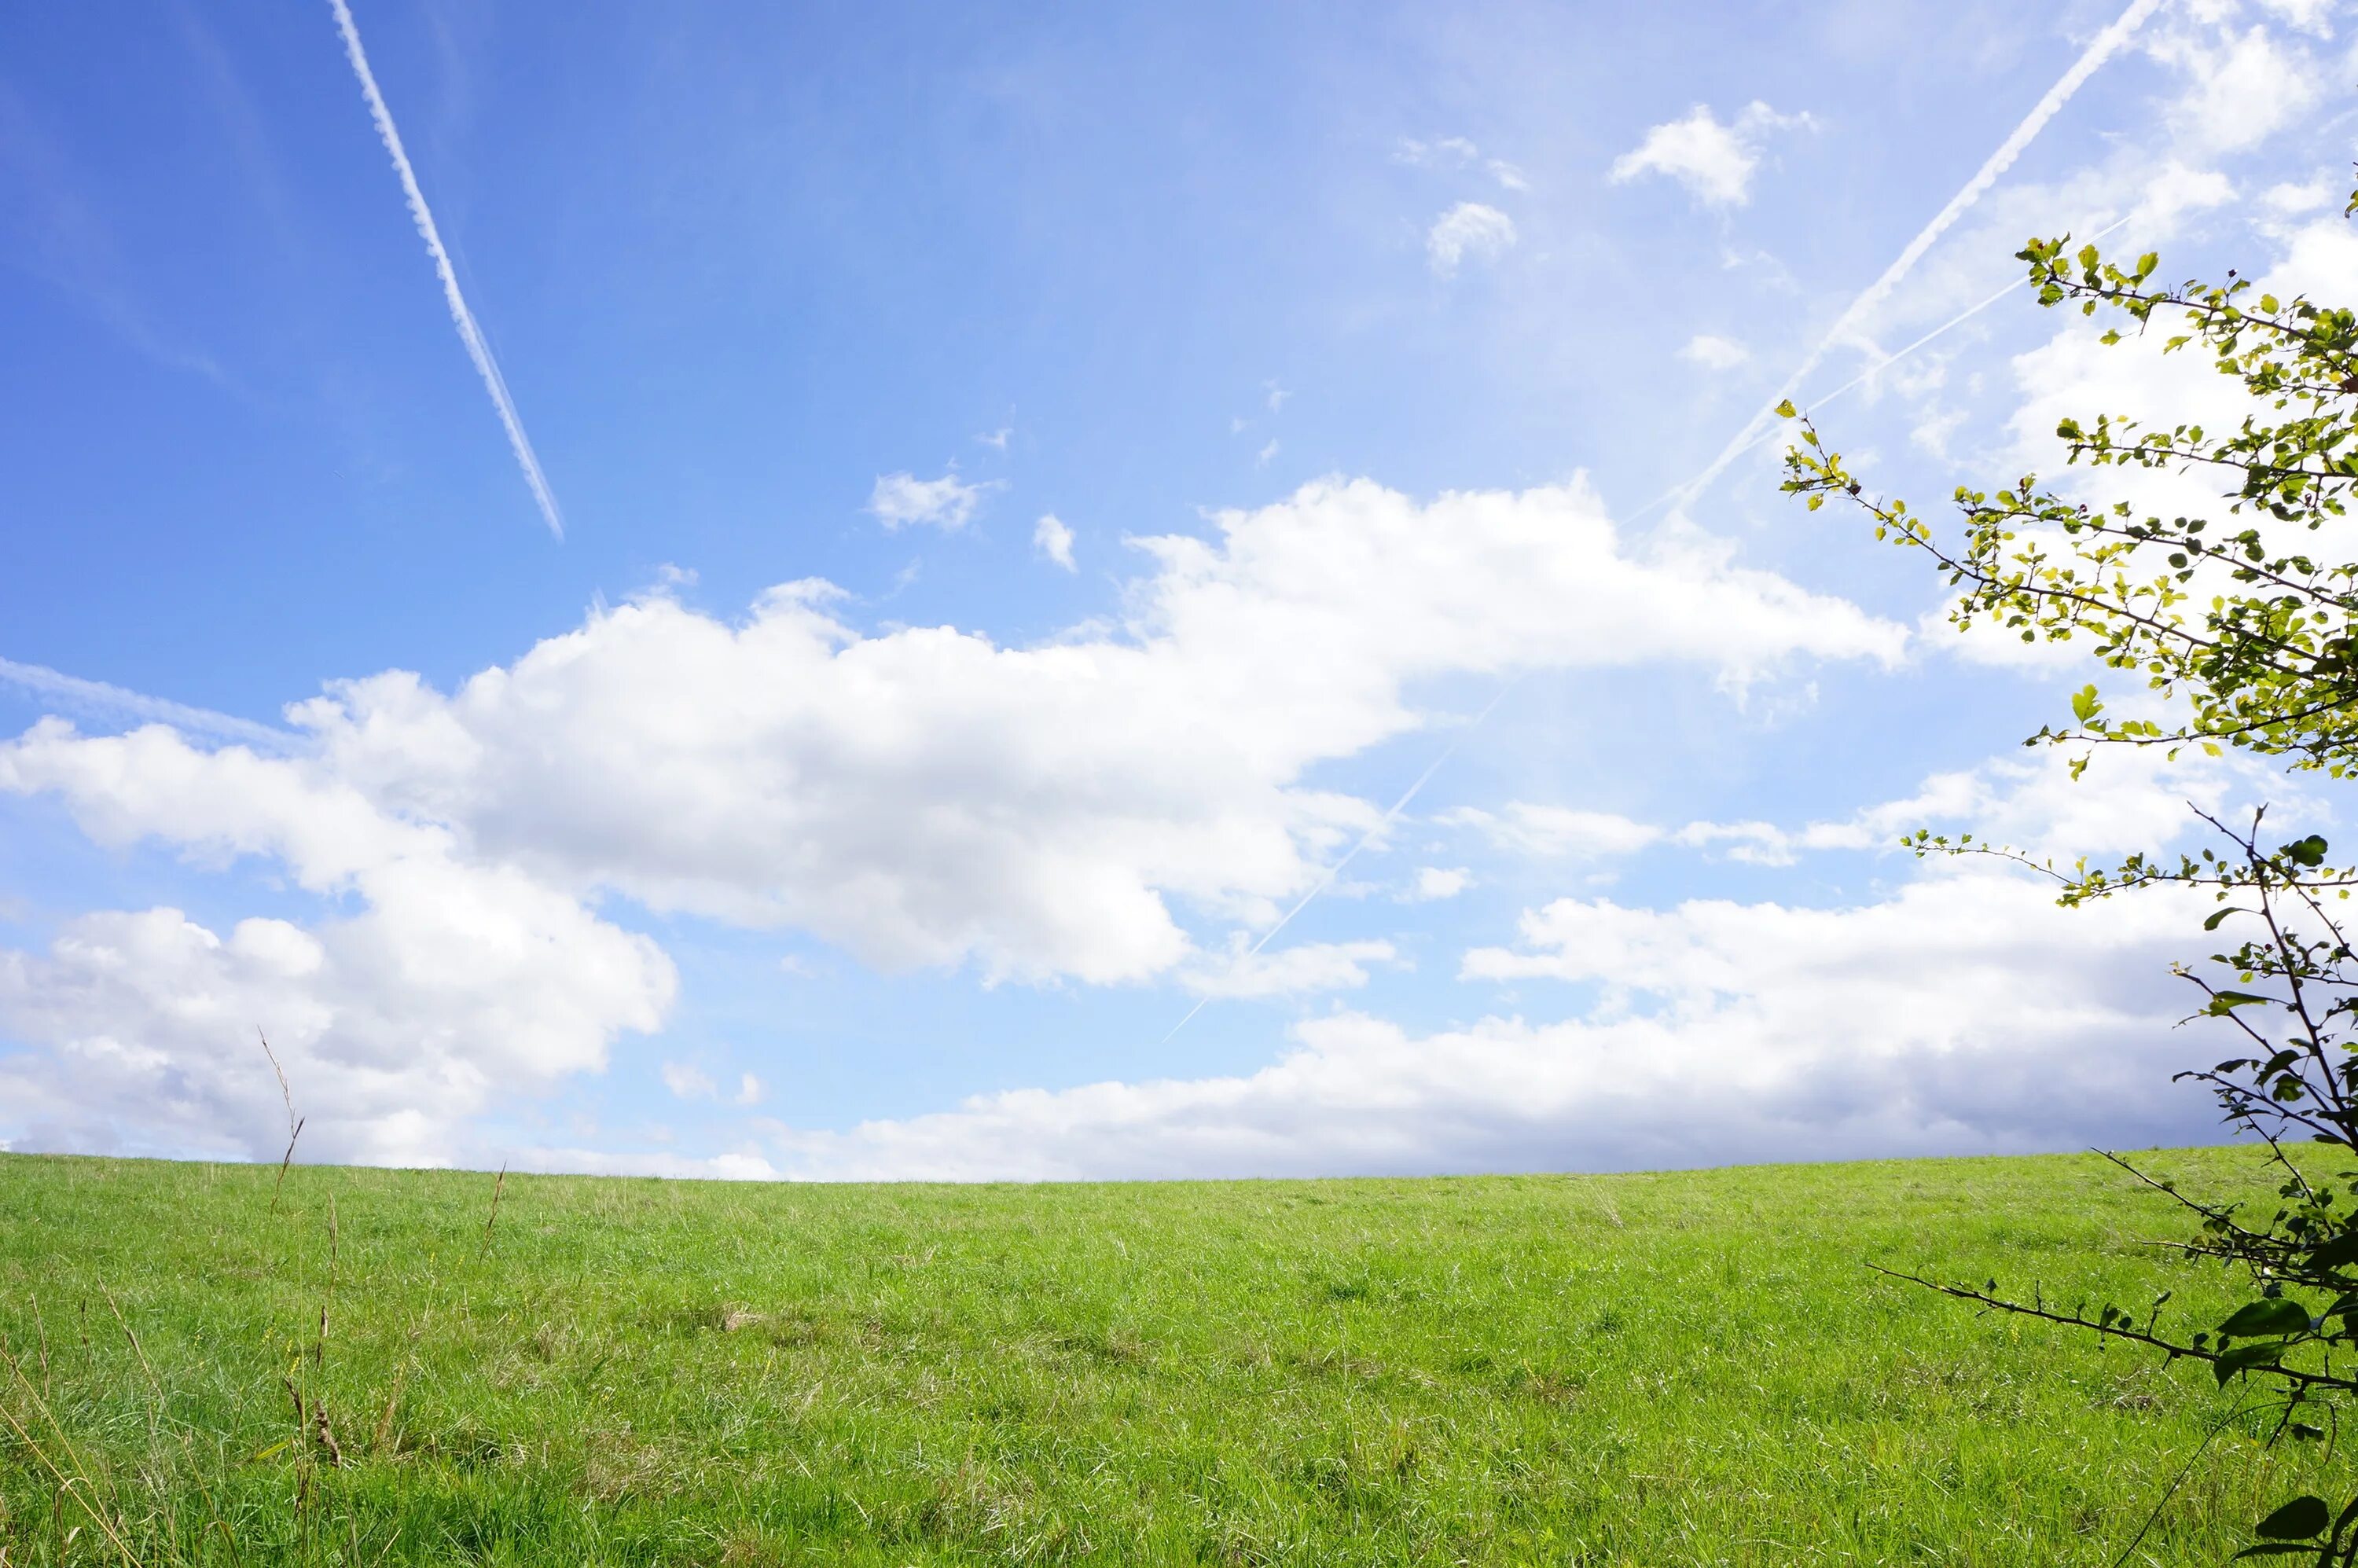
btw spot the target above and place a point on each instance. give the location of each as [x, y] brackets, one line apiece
[379, 1367]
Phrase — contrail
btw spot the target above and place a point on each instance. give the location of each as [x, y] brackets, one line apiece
[1879, 366]
[1369, 836]
[105, 699]
[2107, 44]
[460, 317]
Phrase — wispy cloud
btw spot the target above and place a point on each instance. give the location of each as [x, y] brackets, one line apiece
[98, 696]
[1053, 540]
[1715, 162]
[1715, 352]
[461, 317]
[948, 502]
[1468, 229]
[1456, 152]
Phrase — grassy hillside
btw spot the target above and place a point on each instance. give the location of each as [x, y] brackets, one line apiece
[1645, 1369]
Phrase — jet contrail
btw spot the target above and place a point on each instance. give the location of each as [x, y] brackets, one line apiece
[1386, 820]
[460, 317]
[105, 699]
[1878, 367]
[2105, 45]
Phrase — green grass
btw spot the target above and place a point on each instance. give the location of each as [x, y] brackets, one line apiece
[1646, 1369]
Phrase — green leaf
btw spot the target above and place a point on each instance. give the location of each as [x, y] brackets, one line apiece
[2084, 705]
[2244, 1358]
[2212, 923]
[2224, 1002]
[2308, 851]
[1785, 410]
[2298, 1519]
[2268, 1315]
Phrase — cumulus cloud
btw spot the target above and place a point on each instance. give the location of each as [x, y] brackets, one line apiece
[1714, 161]
[457, 984]
[1963, 1010]
[1469, 229]
[1435, 883]
[1095, 776]
[948, 502]
[1966, 1013]
[918, 796]
[2243, 86]
[1053, 539]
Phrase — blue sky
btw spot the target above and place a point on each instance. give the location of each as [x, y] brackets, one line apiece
[1364, 361]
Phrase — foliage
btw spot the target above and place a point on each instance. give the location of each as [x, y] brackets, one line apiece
[2244, 634]
[1617, 1372]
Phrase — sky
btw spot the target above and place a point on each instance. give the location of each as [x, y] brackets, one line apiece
[974, 593]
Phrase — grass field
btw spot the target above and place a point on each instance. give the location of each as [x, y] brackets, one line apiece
[1647, 1370]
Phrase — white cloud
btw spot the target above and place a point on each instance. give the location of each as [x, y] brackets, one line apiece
[689, 1083]
[948, 502]
[918, 796]
[1435, 883]
[2292, 199]
[1468, 229]
[1261, 459]
[2127, 799]
[786, 770]
[750, 1090]
[454, 987]
[1965, 1013]
[1715, 162]
[2244, 87]
[1456, 152]
[1275, 396]
[1053, 539]
[1715, 354]
[1445, 152]
[996, 439]
[1551, 831]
